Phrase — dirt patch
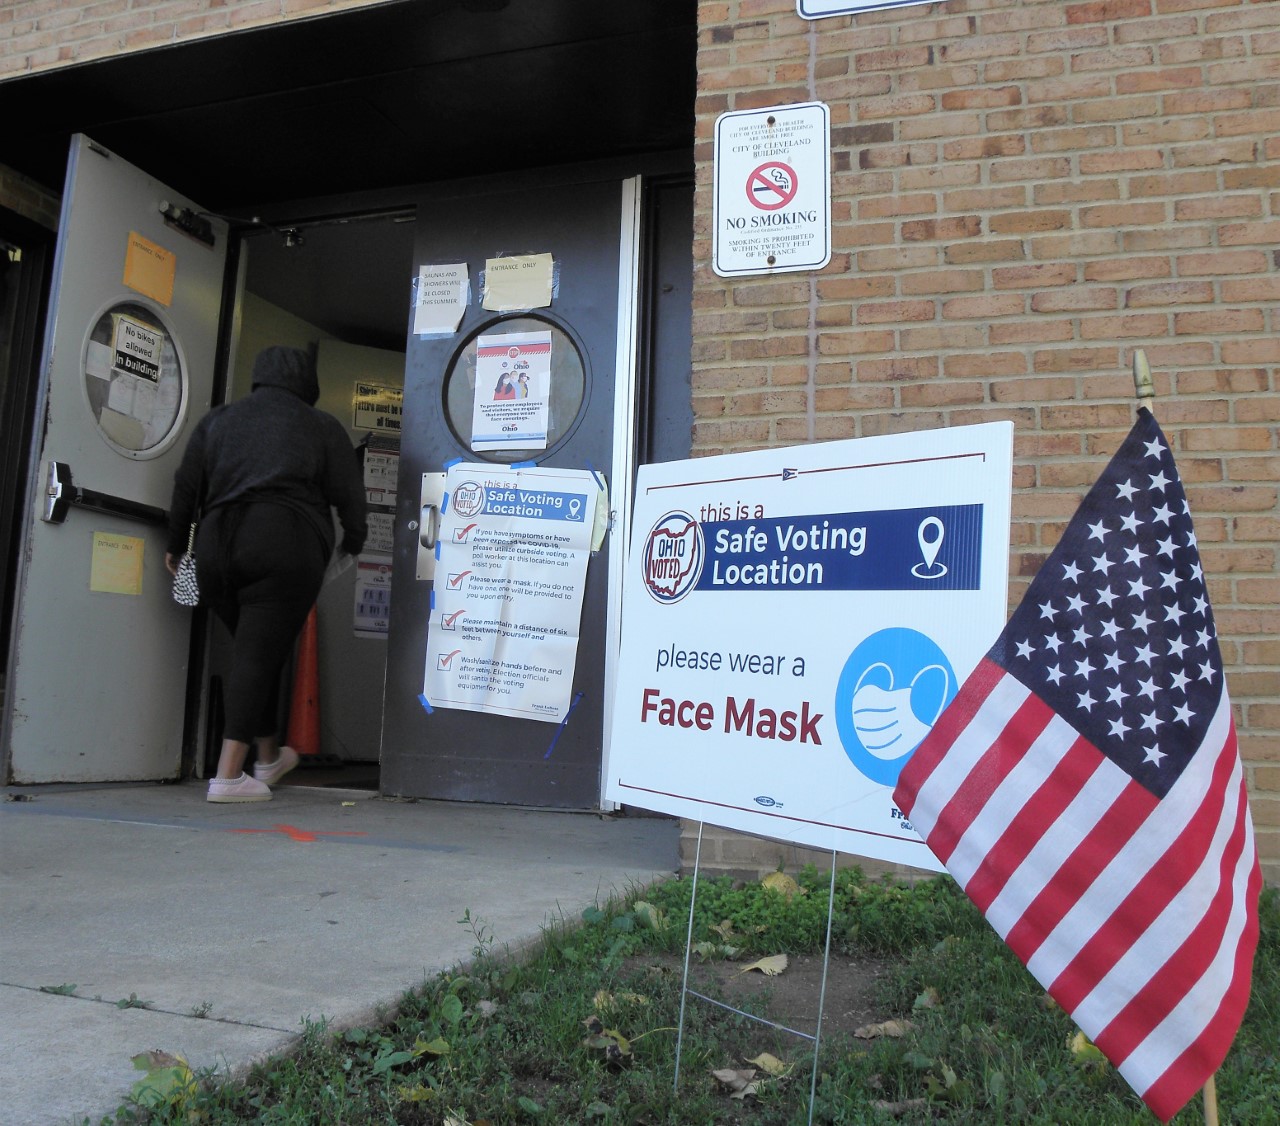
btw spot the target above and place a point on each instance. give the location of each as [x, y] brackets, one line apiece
[792, 997]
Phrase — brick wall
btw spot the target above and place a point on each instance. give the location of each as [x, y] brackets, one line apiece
[39, 34]
[30, 200]
[1024, 192]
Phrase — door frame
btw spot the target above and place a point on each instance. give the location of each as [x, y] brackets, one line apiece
[625, 412]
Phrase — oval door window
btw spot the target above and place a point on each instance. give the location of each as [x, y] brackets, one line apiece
[515, 389]
[134, 380]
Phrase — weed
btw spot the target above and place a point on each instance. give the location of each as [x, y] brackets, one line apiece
[133, 1001]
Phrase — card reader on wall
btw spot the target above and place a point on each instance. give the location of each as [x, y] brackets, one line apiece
[60, 494]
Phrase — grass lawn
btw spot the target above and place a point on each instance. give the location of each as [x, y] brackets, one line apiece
[928, 1018]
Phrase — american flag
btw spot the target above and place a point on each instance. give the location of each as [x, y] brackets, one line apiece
[1085, 790]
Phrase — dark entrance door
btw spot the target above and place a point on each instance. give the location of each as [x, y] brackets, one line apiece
[589, 228]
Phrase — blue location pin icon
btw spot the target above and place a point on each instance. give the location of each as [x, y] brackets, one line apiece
[930, 535]
[574, 505]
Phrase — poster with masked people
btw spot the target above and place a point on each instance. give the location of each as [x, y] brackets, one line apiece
[795, 621]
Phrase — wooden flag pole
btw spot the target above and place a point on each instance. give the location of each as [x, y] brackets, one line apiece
[1145, 390]
[1142, 385]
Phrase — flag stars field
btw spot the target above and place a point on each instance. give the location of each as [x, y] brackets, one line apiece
[1135, 569]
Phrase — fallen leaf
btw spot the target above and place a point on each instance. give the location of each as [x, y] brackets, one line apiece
[783, 884]
[168, 1080]
[415, 1094]
[771, 966]
[648, 914]
[1086, 1053]
[437, 1047]
[724, 930]
[606, 1000]
[907, 1106]
[770, 1064]
[891, 1028]
[348, 803]
[929, 999]
[740, 1083]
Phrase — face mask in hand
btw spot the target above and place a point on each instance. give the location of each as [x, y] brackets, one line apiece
[882, 717]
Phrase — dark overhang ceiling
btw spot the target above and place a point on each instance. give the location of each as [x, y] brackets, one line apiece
[393, 94]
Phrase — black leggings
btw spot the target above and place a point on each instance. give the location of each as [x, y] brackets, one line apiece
[260, 567]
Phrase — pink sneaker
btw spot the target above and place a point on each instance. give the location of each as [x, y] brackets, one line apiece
[271, 773]
[243, 788]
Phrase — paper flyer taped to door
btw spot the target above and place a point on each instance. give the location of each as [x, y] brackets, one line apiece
[507, 609]
[512, 392]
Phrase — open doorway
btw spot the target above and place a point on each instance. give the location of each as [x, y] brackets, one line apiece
[336, 285]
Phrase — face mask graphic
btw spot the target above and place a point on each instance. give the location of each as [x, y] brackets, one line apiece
[882, 717]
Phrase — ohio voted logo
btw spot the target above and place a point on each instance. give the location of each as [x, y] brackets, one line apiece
[468, 498]
[892, 690]
[673, 556]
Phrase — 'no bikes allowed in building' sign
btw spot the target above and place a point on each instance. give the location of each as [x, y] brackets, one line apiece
[772, 190]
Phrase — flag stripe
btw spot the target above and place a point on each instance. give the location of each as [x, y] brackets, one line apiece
[1046, 875]
[1181, 974]
[1036, 761]
[1205, 1055]
[1025, 830]
[963, 754]
[1176, 847]
[951, 724]
[1089, 849]
[1010, 767]
[1105, 896]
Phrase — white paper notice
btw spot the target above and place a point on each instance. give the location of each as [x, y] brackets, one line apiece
[525, 282]
[513, 391]
[373, 596]
[507, 607]
[441, 298]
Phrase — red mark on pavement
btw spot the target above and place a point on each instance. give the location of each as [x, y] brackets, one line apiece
[305, 836]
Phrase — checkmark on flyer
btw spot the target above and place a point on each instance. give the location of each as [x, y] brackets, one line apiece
[460, 534]
[450, 621]
[445, 660]
[456, 581]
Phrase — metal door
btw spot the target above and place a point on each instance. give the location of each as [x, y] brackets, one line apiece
[98, 653]
[589, 230]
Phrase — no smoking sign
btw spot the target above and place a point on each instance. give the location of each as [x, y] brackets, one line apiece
[772, 190]
[771, 186]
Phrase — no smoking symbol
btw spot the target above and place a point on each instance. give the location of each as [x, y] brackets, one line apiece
[771, 186]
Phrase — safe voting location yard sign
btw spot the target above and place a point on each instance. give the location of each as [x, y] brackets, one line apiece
[795, 622]
[772, 201]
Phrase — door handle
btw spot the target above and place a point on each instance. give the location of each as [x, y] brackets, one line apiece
[60, 494]
[429, 526]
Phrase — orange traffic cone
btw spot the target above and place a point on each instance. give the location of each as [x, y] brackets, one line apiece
[304, 703]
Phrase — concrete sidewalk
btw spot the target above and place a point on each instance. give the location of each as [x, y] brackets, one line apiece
[233, 924]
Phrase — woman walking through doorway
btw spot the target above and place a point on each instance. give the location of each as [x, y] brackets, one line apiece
[264, 473]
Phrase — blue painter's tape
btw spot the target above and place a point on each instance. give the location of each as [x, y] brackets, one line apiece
[524, 465]
[452, 462]
[433, 598]
[592, 468]
[437, 551]
[422, 699]
[444, 504]
[556, 737]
